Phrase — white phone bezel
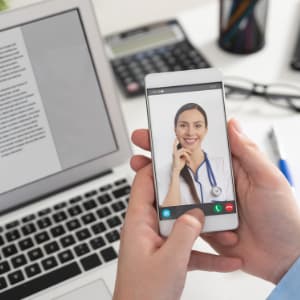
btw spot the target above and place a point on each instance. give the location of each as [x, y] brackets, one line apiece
[170, 79]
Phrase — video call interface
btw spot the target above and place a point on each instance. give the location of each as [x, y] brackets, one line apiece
[190, 150]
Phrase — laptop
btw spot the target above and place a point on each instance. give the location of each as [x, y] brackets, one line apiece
[64, 149]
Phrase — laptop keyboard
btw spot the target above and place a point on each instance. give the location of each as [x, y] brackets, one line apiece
[60, 242]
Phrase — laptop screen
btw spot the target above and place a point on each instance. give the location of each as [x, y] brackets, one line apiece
[52, 113]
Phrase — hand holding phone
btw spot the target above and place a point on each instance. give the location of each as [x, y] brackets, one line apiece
[189, 106]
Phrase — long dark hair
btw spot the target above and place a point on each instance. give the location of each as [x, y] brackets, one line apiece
[184, 173]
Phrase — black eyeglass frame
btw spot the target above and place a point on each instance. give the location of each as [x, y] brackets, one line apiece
[261, 90]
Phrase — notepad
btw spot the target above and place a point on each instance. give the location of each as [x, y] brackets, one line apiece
[288, 138]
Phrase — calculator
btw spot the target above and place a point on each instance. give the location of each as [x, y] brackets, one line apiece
[159, 47]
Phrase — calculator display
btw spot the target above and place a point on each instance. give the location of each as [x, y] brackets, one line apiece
[144, 40]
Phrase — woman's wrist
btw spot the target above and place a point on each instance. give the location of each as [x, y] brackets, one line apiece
[176, 172]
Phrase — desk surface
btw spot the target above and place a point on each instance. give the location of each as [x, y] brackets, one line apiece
[268, 65]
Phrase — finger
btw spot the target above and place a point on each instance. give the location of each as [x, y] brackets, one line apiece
[251, 159]
[184, 156]
[175, 144]
[187, 151]
[138, 162]
[224, 239]
[140, 138]
[141, 211]
[179, 153]
[214, 263]
[142, 193]
[184, 233]
[183, 152]
[240, 175]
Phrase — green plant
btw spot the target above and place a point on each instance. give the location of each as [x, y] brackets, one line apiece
[3, 4]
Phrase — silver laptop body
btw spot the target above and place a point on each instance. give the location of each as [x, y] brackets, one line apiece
[64, 176]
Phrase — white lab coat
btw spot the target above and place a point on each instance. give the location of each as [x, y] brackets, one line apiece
[222, 176]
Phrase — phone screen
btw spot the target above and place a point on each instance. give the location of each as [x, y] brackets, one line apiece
[190, 150]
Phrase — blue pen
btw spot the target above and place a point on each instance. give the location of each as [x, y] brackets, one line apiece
[282, 162]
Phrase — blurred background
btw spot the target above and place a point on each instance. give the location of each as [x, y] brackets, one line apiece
[116, 15]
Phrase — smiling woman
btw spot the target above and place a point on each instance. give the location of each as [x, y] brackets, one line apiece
[195, 177]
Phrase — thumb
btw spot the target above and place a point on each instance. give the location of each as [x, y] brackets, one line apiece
[184, 233]
[251, 159]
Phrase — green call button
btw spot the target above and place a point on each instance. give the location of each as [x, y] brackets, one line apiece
[218, 208]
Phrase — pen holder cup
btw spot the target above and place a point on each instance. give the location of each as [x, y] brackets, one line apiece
[242, 25]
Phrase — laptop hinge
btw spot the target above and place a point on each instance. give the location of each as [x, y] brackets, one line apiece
[73, 185]
[55, 192]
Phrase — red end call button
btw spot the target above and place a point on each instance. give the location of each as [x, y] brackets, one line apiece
[229, 207]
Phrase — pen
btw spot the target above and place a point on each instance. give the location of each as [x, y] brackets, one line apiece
[282, 162]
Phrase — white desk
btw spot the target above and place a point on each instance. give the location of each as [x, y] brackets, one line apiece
[268, 65]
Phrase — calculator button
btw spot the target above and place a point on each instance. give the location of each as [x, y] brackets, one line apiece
[115, 63]
[159, 64]
[149, 68]
[137, 71]
[132, 64]
[140, 76]
[171, 60]
[149, 53]
[177, 68]
[133, 87]
[203, 64]
[126, 60]
[177, 52]
[196, 59]
[145, 61]
[185, 47]
[128, 80]
[140, 82]
[193, 53]
[139, 56]
[120, 68]
[123, 74]
[190, 67]
[164, 69]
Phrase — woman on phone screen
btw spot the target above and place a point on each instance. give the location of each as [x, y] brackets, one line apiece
[196, 178]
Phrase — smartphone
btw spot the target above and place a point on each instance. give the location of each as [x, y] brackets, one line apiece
[190, 150]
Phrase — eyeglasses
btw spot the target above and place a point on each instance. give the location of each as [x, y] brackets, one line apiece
[282, 95]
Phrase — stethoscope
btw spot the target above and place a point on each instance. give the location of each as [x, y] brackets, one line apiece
[215, 191]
